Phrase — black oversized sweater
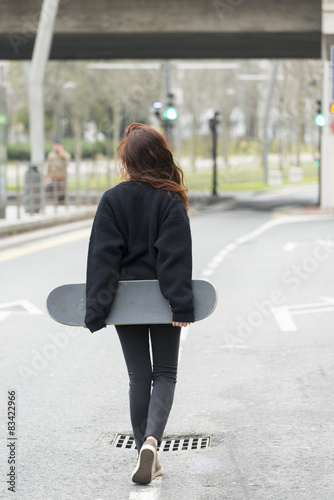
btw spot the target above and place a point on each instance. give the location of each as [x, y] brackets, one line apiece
[139, 233]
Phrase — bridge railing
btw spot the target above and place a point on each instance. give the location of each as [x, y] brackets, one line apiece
[33, 191]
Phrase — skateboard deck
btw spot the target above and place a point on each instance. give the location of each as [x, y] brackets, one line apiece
[136, 302]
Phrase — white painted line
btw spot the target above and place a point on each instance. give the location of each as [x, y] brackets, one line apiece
[253, 234]
[283, 314]
[4, 315]
[285, 219]
[26, 307]
[149, 493]
[315, 310]
[184, 334]
[289, 246]
[207, 272]
[330, 300]
[311, 305]
[218, 259]
[232, 346]
[284, 319]
[230, 247]
[325, 243]
[30, 308]
[38, 247]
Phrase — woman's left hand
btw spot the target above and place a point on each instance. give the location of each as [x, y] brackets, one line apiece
[177, 323]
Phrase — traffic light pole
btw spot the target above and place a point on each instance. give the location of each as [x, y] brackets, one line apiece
[3, 149]
[213, 122]
[167, 130]
[166, 123]
[320, 162]
[265, 135]
[327, 142]
[214, 156]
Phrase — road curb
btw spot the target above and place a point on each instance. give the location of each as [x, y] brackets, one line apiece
[19, 227]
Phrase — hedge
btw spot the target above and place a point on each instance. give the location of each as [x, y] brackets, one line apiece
[20, 151]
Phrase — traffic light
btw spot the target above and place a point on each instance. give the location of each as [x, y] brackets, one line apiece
[170, 112]
[157, 106]
[319, 119]
[331, 108]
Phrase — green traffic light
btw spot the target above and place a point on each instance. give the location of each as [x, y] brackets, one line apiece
[170, 113]
[320, 120]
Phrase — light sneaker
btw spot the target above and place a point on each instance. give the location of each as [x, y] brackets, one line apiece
[148, 466]
[158, 470]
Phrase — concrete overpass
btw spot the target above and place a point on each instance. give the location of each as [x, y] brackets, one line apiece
[107, 29]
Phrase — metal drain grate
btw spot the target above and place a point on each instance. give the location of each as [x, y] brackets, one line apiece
[186, 443]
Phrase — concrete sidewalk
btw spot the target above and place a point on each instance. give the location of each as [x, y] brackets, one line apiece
[13, 225]
[19, 221]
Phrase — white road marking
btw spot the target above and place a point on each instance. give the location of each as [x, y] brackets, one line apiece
[284, 219]
[326, 243]
[4, 315]
[18, 307]
[184, 335]
[207, 272]
[284, 319]
[151, 492]
[291, 245]
[284, 314]
[234, 346]
[12, 254]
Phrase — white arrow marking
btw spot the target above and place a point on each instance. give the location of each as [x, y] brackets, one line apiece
[289, 246]
[283, 314]
[17, 307]
[4, 315]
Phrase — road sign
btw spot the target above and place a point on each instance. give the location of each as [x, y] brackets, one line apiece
[284, 314]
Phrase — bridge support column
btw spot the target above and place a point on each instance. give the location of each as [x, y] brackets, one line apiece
[327, 144]
[36, 74]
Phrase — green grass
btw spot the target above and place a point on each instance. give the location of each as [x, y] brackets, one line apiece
[234, 179]
[242, 179]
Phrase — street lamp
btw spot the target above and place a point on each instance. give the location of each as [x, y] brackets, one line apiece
[320, 121]
[213, 123]
[3, 148]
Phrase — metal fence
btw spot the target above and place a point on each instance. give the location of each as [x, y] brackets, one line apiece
[32, 190]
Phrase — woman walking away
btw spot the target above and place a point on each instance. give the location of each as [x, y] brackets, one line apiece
[141, 232]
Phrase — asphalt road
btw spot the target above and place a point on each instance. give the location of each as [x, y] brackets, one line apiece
[256, 376]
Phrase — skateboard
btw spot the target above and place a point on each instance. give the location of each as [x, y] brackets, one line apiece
[136, 302]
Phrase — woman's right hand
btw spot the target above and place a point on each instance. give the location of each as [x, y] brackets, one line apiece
[177, 323]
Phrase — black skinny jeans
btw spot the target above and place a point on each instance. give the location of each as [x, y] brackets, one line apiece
[151, 385]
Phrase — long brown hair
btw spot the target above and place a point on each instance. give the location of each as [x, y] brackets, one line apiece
[146, 157]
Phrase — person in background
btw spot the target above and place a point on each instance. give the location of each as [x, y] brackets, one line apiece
[141, 231]
[58, 159]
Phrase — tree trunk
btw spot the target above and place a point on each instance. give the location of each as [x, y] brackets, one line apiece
[193, 146]
[77, 136]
